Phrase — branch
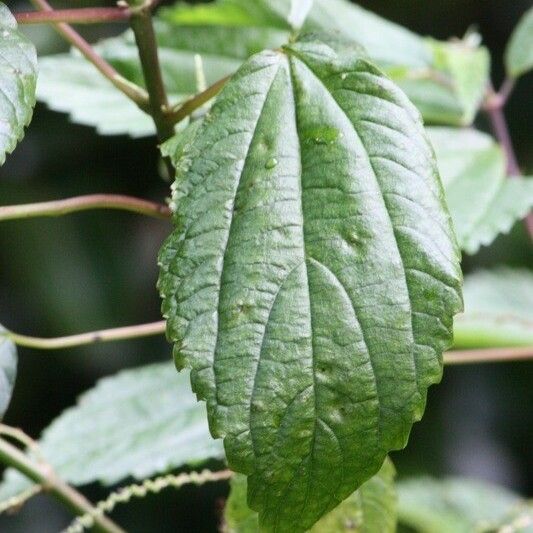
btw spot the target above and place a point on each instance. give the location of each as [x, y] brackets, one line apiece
[149, 486]
[83, 339]
[45, 476]
[490, 355]
[494, 105]
[84, 203]
[143, 29]
[90, 15]
[191, 105]
[132, 91]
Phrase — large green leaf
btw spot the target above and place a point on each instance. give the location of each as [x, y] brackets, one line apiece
[18, 75]
[482, 201]
[8, 371]
[370, 509]
[498, 309]
[138, 423]
[519, 52]
[459, 505]
[312, 277]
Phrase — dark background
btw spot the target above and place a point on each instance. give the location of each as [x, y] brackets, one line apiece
[97, 269]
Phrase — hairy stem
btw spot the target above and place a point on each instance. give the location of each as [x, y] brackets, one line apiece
[83, 203]
[45, 476]
[148, 486]
[490, 355]
[143, 29]
[132, 91]
[93, 337]
[90, 15]
[494, 106]
[191, 105]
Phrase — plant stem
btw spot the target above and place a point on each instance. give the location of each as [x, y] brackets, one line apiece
[90, 15]
[140, 490]
[94, 337]
[494, 105]
[197, 101]
[132, 91]
[490, 355]
[83, 203]
[143, 29]
[45, 476]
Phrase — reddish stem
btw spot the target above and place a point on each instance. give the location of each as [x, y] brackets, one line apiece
[494, 106]
[90, 15]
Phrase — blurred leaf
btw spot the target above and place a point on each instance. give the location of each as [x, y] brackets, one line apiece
[299, 11]
[137, 423]
[457, 505]
[498, 309]
[315, 134]
[68, 83]
[519, 52]
[8, 371]
[18, 75]
[483, 202]
[370, 509]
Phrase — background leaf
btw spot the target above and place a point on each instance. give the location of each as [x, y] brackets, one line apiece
[137, 423]
[445, 80]
[482, 200]
[370, 509]
[456, 505]
[519, 52]
[8, 371]
[18, 75]
[498, 309]
[299, 11]
[312, 277]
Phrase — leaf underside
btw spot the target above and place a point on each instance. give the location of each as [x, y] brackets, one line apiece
[312, 277]
[370, 509]
[138, 423]
[18, 75]
[519, 51]
[483, 202]
[8, 372]
[460, 505]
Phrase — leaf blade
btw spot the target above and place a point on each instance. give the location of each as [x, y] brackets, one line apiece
[138, 423]
[8, 371]
[18, 75]
[258, 192]
[519, 51]
[482, 201]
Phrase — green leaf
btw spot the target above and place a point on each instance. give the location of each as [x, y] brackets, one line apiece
[482, 201]
[519, 52]
[299, 11]
[498, 309]
[18, 75]
[8, 371]
[137, 423]
[69, 84]
[312, 277]
[370, 509]
[445, 80]
[456, 505]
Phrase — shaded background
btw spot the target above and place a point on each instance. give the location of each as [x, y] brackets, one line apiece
[97, 270]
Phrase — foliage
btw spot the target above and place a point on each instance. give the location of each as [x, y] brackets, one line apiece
[299, 384]
[482, 201]
[325, 183]
[18, 74]
[459, 505]
[370, 509]
[8, 372]
[136, 424]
